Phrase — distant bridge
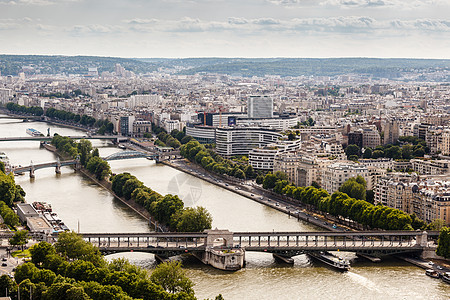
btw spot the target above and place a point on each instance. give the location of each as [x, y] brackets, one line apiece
[49, 138]
[131, 155]
[58, 164]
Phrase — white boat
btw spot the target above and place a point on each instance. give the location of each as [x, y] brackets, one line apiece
[34, 132]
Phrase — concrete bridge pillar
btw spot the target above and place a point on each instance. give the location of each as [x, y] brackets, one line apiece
[58, 166]
[422, 238]
[32, 172]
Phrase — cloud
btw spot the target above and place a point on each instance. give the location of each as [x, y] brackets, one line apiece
[11, 24]
[94, 29]
[341, 24]
[35, 2]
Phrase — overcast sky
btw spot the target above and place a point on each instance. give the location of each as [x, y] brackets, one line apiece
[227, 28]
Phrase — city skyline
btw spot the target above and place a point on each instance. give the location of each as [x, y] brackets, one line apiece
[216, 28]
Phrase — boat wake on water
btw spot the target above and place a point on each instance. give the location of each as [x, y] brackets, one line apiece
[363, 281]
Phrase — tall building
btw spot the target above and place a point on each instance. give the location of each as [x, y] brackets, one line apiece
[126, 125]
[260, 107]
[391, 131]
[5, 95]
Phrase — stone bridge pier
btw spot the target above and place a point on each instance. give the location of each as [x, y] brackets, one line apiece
[220, 252]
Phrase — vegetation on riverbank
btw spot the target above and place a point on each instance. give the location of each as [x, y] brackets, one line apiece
[341, 205]
[31, 110]
[89, 157]
[168, 209]
[75, 269]
[443, 248]
[104, 126]
[10, 193]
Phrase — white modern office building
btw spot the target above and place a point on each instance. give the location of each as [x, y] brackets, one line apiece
[240, 140]
[263, 158]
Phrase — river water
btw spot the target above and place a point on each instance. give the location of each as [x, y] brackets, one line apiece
[82, 204]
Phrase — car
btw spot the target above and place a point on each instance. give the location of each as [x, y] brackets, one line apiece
[315, 218]
[325, 223]
[287, 207]
[4, 259]
[182, 247]
[226, 184]
[277, 204]
[431, 263]
[151, 246]
[261, 198]
[334, 226]
[4, 265]
[252, 195]
[439, 267]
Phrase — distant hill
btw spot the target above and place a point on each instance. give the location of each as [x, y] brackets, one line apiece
[12, 64]
[375, 67]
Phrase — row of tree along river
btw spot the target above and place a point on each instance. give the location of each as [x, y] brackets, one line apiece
[84, 205]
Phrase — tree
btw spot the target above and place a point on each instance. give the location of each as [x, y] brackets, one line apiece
[166, 207]
[40, 251]
[2, 167]
[238, 173]
[393, 152]
[129, 186]
[72, 246]
[315, 184]
[172, 278]
[436, 224]
[370, 195]
[417, 223]
[19, 238]
[84, 148]
[377, 153]
[249, 172]
[280, 175]
[269, 181]
[118, 181]
[407, 151]
[352, 150]
[7, 286]
[367, 153]
[354, 188]
[193, 219]
[7, 189]
[259, 179]
[443, 248]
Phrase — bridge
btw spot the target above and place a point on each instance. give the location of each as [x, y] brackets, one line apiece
[58, 164]
[131, 155]
[211, 244]
[75, 137]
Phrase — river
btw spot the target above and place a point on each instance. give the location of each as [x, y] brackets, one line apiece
[82, 204]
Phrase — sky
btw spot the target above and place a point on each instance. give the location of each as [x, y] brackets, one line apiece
[227, 28]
